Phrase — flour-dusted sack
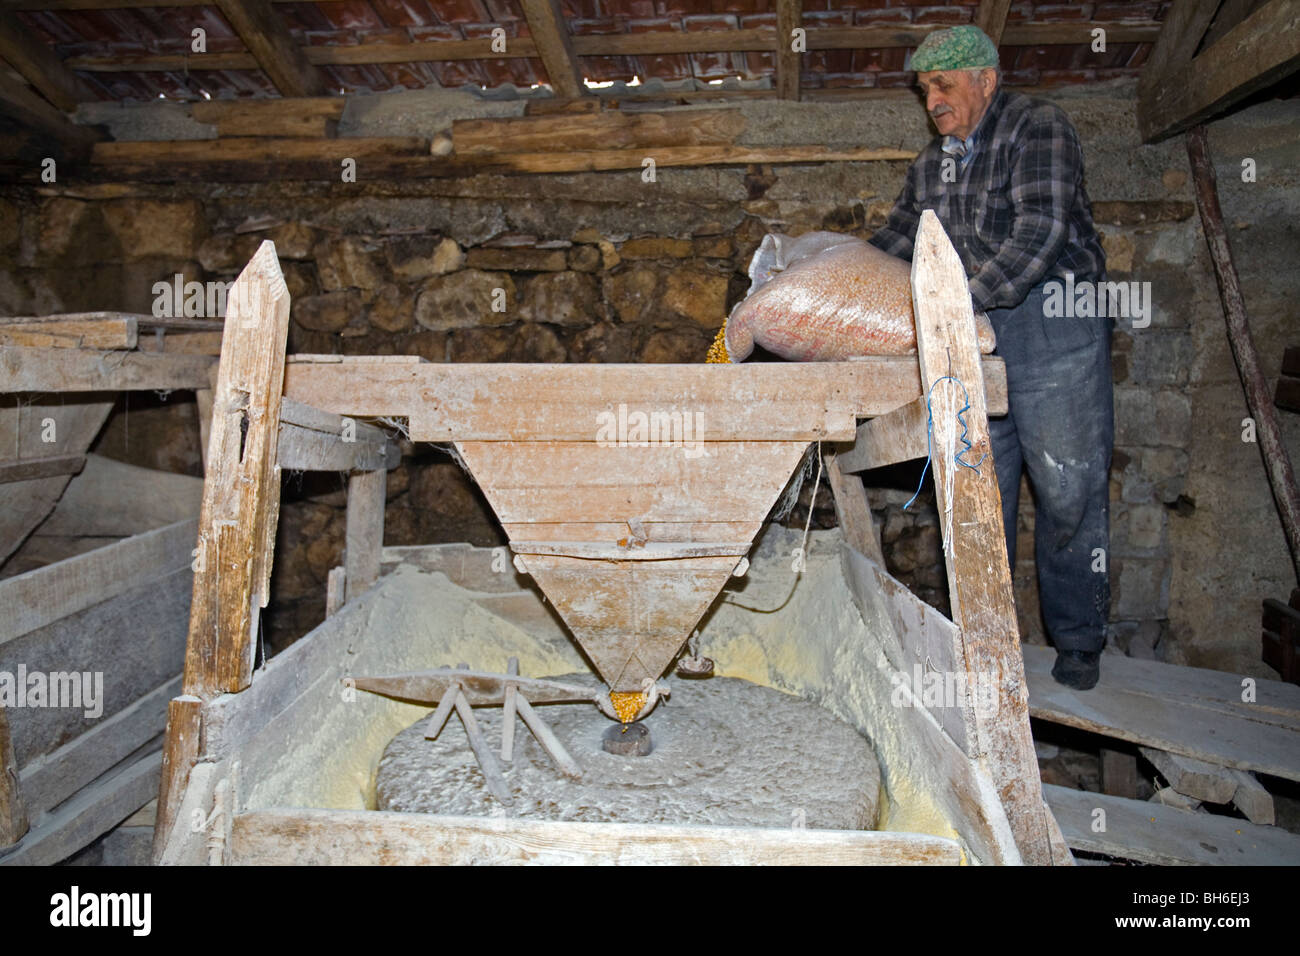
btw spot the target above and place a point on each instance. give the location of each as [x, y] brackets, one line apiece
[824, 297]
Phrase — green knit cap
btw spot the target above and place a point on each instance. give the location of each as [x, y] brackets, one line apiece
[957, 48]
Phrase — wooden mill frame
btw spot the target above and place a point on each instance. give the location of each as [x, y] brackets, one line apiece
[502, 402]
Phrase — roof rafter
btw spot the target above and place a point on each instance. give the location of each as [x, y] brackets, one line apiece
[268, 40]
[554, 46]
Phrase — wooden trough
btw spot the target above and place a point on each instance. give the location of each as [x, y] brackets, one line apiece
[631, 543]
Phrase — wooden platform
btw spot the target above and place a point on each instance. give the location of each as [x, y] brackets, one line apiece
[1183, 710]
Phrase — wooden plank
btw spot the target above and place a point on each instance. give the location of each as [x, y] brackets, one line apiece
[51, 779]
[1252, 799]
[1230, 14]
[1191, 777]
[1261, 736]
[898, 435]
[1257, 52]
[138, 319]
[180, 752]
[853, 510]
[249, 149]
[241, 493]
[1119, 773]
[365, 531]
[991, 17]
[1150, 833]
[111, 499]
[291, 117]
[187, 343]
[335, 590]
[101, 334]
[41, 468]
[13, 810]
[88, 815]
[1180, 33]
[322, 837]
[307, 449]
[88, 370]
[203, 403]
[801, 401]
[267, 38]
[38, 64]
[39, 597]
[550, 34]
[1277, 460]
[979, 579]
[606, 130]
[789, 17]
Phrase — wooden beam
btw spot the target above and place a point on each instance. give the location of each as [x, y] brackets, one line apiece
[1191, 777]
[1177, 40]
[899, 435]
[32, 58]
[789, 17]
[979, 579]
[180, 752]
[43, 595]
[554, 46]
[290, 117]
[991, 17]
[1277, 461]
[268, 39]
[806, 401]
[41, 468]
[135, 319]
[312, 440]
[611, 129]
[90, 370]
[241, 493]
[1257, 52]
[853, 509]
[13, 812]
[21, 104]
[1230, 14]
[117, 333]
[322, 837]
[364, 542]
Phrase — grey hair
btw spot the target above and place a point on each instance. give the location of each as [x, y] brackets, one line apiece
[997, 74]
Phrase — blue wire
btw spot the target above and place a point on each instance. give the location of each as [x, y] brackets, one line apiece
[929, 435]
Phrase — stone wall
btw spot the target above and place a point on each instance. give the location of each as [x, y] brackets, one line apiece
[605, 267]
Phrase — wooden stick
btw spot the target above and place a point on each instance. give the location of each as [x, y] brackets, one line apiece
[487, 760]
[13, 814]
[180, 752]
[508, 713]
[546, 737]
[365, 530]
[1277, 463]
[438, 719]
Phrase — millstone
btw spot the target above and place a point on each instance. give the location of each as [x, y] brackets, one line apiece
[726, 753]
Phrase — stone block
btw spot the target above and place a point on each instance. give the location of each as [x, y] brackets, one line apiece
[465, 299]
[698, 295]
[561, 298]
[516, 260]
[392, 309]
[326, 313]
[146, 227]
[658, 247]
[348, 263]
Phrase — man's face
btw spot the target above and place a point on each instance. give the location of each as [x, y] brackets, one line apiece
[956, 100]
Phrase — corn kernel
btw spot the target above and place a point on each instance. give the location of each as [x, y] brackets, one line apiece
[627, 704]
[718, 350]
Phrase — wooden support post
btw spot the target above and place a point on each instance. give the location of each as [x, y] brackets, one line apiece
[268, 39]
[364, 542]
[550, 33]
[853, 510]
[1118, 773]
[180, 752]
[979, 580]
[13, 815]
[1277, 463]
[991, 17]
[896, 436]
[508, 713]
[789, 17]
[241, 494]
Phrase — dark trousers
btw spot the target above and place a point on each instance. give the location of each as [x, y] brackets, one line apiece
[1061, 428]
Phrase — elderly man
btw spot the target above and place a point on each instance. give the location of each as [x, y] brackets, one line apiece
[1005, 177]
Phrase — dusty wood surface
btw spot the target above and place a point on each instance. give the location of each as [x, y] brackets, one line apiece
[115, 500]
[241, 493]
[1252, 799]
[899, 435]
[88, 815]
[1277, 461]
[141, 320]
[181, 343]
[322, 837]
[96, 334]
[13, 809]
[311, 440]
[180, 752]
[481, 688]
[1185, 710]
[1150, 833]
[1262, 49]
[800, 401]
[52, 778]
[979, 579]
[90, 370]
[853, 509]
[789, 16]
[611, 129]
[1191, 777]
[364, 539]
[37, 598]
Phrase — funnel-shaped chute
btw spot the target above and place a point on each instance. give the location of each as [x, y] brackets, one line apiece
[631, 543]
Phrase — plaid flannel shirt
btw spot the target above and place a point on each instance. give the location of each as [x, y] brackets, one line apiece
[1017, 211]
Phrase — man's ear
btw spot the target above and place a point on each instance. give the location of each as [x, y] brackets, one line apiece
[989, 79]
